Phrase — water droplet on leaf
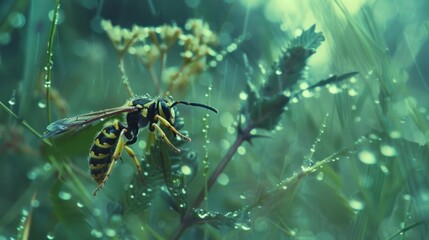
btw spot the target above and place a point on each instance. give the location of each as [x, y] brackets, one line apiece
[367, 157]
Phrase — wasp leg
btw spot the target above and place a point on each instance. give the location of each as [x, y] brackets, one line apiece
[164, 137]
[116, 155]
[133, 156]
[167, 124]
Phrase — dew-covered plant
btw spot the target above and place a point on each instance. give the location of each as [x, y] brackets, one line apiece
[361, 176]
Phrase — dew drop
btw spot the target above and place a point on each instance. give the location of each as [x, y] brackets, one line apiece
[64, 195]
[241, 150]
[16, 19]
[334, 89]
[96, 233]
[4, 38]
[356, 205]
[245, 227]
[307, 94]
[213, 64]
[24, 212]
[186, 170]
[388, 150]
[243, 96]
[32, 175]
[79, 205]
[303, 85]
[142, 144]
[41, 104]
[407, 197]
[12, 100]
[320, 176]
[384, 169]
[367, 157]
[50, 236]
[232, 47]
[110, 232]
[35, 203]
[223, 179]
[352, 92]
[47, 167]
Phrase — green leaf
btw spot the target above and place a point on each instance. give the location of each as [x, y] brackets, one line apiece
[287, 71]
[290, 67]
[162, 174]
[69, 213]
[308, 39]
[266, 111]
[239, 219]
[330, 202]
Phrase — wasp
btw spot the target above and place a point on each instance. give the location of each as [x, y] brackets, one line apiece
[116, 136]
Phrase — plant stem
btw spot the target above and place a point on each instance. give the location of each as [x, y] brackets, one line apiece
[49, 62]
[25, 124]
[188, 219]
[125, 77]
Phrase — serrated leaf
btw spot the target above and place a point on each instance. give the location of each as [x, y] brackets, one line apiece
[287, 71]
[308, 39]
[265, 113]
[290, 67]
[161, 171]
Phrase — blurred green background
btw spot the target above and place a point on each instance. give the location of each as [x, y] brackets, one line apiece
[375, 191]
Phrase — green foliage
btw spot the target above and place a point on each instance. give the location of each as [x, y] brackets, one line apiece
[345, 158]
[263, 107]
[161, 174]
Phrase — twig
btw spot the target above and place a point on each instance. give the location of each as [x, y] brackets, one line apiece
[188, 220]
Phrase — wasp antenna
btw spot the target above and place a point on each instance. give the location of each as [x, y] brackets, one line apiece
[195, 104]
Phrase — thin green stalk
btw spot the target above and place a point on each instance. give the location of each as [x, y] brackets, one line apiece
[402, 231]
[124, 77]
[25, 124]
[49, 63]
[286, 183]
[206, 154]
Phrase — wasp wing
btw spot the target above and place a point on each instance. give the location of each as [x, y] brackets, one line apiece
[78, 122]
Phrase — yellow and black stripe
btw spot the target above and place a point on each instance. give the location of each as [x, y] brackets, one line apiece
[101, 152]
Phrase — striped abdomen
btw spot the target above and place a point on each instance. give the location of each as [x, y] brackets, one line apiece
[101, 152]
